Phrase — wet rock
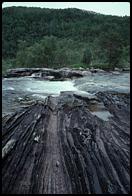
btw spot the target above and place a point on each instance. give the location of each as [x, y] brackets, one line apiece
[36, 139]
[117, 69]
[93, 70]
[126, 69]
[49, 77]
[117, 103]
[85, 96]
[44, 73]
[115, 72]
[86, 73]
[76, 151]
[8, 147]
[26, 100]
[50, 74]
[57, 164]
[36, 75]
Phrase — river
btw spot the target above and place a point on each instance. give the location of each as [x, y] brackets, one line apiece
[19, 92]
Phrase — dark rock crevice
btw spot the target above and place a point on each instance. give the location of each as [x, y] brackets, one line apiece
[60, 146]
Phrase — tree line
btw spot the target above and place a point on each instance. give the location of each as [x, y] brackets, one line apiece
[38, 37]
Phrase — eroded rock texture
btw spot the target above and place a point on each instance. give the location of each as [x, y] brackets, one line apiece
[60, 146]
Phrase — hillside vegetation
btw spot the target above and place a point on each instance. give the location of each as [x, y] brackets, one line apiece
[36, 37]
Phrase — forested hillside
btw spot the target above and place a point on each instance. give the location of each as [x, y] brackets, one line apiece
[36, 37]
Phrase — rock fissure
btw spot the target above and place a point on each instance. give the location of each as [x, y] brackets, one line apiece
[63, 148]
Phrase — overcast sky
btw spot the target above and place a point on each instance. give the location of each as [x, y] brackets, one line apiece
[110, 8]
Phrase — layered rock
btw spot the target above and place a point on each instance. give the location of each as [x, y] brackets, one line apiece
[61, 146]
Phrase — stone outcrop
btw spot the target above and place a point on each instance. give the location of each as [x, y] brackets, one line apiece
[60, 146]
[50, 74]
[58, 74]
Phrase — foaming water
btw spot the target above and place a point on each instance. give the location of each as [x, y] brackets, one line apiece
[16, 89]
[37, 86]
[8, 88]
[50, 87]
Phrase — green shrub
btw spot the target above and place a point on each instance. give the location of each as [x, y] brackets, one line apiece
[8, 64]
[87, 57]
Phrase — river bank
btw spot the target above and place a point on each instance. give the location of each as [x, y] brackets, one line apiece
[58, 74]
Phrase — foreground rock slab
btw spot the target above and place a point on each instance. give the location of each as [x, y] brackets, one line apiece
[59, 146]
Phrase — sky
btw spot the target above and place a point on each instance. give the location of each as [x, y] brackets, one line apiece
[108, 8]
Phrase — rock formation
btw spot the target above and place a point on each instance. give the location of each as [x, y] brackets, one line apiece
[60, 146]
[50, 74]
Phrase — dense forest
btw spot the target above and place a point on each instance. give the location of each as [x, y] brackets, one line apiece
[42, 37]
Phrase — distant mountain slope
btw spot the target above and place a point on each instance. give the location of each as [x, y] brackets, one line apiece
[32, 24]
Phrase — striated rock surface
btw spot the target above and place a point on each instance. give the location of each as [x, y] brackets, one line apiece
[61, 146]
